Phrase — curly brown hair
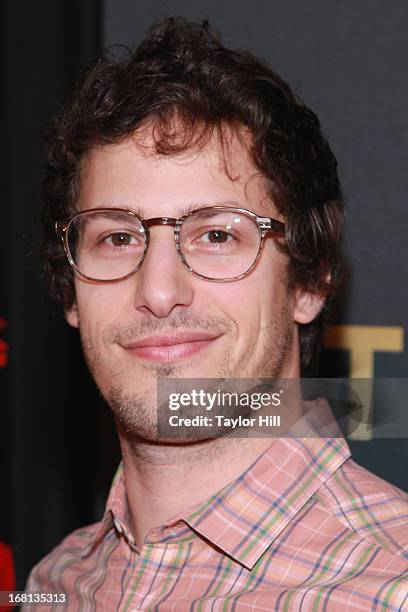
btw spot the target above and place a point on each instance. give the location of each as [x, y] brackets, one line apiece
[181, 69]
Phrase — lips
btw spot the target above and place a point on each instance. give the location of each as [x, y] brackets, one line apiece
[172, 347]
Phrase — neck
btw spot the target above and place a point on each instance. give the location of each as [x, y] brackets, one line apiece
[163, 480]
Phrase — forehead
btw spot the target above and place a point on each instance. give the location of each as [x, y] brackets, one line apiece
[132, 175]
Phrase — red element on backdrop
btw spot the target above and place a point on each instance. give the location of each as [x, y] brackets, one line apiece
[3, 345]
[7, 573]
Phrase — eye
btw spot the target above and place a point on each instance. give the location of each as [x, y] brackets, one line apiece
[216, 236]
[119, 239]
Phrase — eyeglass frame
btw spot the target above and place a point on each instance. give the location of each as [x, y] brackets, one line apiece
[265, 225]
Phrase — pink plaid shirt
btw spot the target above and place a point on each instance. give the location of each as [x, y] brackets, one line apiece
[304, 528]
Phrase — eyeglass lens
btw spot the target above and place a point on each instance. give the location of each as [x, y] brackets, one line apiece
[214, 243]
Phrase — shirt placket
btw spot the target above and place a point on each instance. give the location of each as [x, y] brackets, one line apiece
[158, 565]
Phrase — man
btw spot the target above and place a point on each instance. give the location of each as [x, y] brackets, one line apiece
[193, 220]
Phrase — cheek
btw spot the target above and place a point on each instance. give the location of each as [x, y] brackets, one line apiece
[96, 309]
[275, 294]
[98, 301]
[244, 303]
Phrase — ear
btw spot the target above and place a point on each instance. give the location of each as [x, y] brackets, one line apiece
[307, 306]
[72, 316]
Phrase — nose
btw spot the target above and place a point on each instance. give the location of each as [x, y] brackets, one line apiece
[163, 284]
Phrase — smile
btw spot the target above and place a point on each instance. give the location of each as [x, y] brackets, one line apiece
[169, 348]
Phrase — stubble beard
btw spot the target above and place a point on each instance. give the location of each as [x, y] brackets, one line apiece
[135, 412]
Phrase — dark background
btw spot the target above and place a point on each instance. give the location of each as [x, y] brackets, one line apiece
[347, 60]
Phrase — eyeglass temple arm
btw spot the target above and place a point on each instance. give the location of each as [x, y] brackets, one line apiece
[267, 223]
[60, 228]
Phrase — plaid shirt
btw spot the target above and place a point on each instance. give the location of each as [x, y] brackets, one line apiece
[304, 528]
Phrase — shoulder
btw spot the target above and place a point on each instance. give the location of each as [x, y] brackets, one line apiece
[76, 546]
[370, 506]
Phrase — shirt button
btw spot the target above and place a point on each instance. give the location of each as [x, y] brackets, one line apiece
[118, 526]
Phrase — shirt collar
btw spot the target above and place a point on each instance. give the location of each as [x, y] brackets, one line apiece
[117, 509]
[246, 516]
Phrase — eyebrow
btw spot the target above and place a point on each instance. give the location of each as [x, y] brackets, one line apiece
[181, 211]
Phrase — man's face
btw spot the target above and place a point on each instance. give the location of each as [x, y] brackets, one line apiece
[194, 328]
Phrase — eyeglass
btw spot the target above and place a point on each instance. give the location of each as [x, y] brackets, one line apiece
[216, 243]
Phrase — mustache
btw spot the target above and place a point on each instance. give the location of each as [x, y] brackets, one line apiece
[181, 321]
